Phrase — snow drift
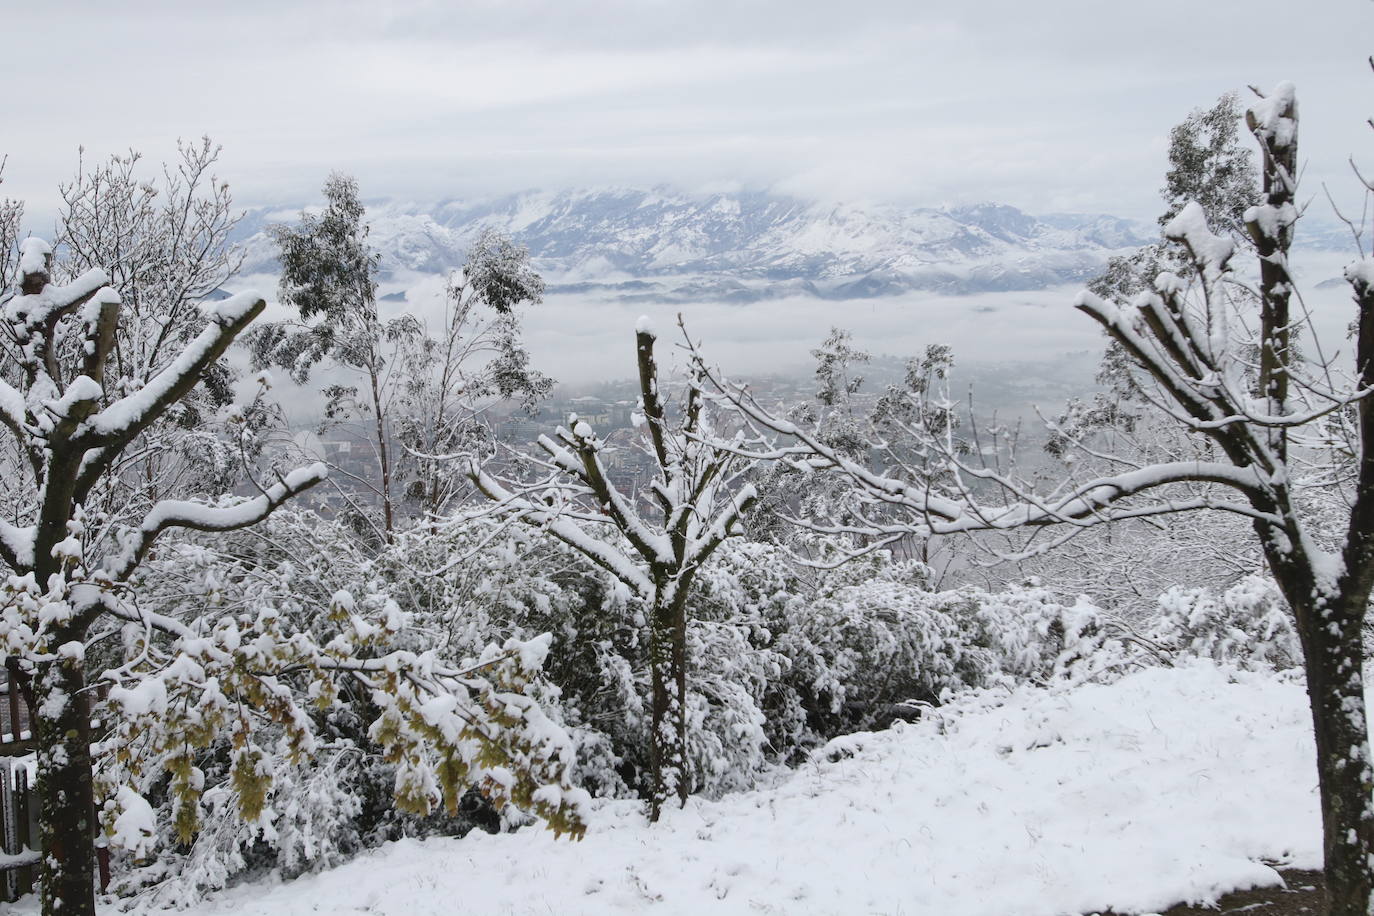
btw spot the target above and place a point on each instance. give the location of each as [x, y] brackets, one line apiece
[1170, 784]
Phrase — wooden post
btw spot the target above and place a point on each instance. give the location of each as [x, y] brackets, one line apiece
[102, 861]
[8, 828]
[25, 813]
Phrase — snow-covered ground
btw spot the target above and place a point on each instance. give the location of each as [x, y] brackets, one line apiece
[1167, 785]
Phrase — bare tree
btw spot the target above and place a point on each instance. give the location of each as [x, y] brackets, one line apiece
[1261, 415]
[180, 681]
[67, 564]
[165, 244]
[11, 217]
[694, 503]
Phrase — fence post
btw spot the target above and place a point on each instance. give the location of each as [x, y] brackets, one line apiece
[102, 861]
[8, 834]
[28, 833]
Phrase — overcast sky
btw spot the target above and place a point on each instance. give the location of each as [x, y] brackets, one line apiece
[1047, 105]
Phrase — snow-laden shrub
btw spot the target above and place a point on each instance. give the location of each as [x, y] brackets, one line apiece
[824, 652]
[346, 762]
[312, 824]
[879, 643]
[1024, 633]
[727, 736]
[1248, 625]
[860, 649]
[745, 716]
[512, 583]
[782, 658]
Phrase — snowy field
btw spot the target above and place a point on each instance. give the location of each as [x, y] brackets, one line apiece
[1167, 785]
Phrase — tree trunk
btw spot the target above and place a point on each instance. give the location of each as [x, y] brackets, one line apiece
[383, 456]
[61, 725]
[678, 657]
[1333, 653]
[668, 723]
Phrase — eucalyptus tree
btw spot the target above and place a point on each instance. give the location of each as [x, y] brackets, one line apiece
[415, 389]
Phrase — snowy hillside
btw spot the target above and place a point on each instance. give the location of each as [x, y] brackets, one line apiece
[635, 245]
[1170, 784]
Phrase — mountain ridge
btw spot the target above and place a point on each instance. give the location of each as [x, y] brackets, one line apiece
[659, 244]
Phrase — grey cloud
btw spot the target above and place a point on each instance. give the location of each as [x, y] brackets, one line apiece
[1062, 105]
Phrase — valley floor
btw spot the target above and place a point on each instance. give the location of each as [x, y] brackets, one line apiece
[1166, 786]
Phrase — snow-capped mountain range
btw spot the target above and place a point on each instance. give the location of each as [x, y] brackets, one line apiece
[662, 245]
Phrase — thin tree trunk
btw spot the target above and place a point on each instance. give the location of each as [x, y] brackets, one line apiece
[658, 711]
[62, 727]
[388, 522]
[678, 672]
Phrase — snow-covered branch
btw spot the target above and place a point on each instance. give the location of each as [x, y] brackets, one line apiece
[176, 513]
[551, 519]
[114, 427]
